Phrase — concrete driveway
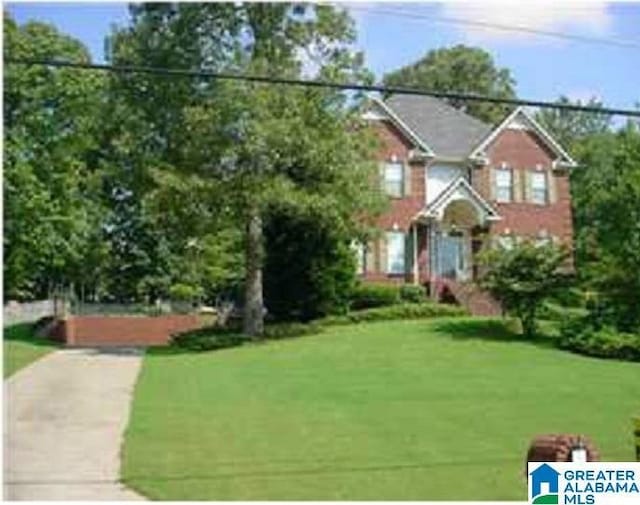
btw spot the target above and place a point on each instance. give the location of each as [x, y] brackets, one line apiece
[65, 417]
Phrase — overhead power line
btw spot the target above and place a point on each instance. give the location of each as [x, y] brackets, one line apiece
[174, 72]
[628, 44]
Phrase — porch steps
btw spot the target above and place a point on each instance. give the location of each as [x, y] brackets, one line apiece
[477, 301]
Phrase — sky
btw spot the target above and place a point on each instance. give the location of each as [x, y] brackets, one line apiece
[396, 34]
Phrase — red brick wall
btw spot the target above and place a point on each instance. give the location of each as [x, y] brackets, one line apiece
[522, 150]
[124, 330]
[401, 210]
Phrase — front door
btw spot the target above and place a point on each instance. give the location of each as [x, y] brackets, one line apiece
[451, 256]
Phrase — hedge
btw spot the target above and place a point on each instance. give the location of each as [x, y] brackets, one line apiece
[211, 338]
[367, 296]
[395, 312]
[578, 336]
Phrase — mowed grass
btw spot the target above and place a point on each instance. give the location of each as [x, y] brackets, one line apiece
[22, 347]
[417, 410]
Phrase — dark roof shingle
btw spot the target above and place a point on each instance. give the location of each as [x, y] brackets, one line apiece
[449, 132]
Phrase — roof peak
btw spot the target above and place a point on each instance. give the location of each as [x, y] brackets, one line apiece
[449, 132]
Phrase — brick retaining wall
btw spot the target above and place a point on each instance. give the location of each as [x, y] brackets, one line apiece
[123, 330]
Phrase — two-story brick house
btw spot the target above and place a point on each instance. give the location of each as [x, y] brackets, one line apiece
[457, 185]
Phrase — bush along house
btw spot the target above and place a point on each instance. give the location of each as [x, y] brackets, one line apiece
[456, 186]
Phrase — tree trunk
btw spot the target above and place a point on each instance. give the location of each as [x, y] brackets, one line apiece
[253, 320]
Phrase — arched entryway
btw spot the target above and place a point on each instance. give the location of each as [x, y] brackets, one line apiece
[455, 239]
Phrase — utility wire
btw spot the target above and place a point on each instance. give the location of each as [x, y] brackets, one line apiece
[174, 72]
[628, 44]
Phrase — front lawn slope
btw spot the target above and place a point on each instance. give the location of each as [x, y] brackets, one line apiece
[415, 410]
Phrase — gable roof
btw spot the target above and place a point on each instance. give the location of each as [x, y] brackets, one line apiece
[520, 115]
[460, 189]
[404, 127]
[448, 132]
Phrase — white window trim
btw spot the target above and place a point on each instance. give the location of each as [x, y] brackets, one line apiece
[504, 170]
[400, 166]
[545, 187]
[400, 236]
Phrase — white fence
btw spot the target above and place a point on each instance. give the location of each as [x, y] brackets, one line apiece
[15, 312]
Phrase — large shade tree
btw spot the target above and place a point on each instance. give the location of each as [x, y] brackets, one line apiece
[52, 209]
[461, 69]
[606, 200]
[252, 145]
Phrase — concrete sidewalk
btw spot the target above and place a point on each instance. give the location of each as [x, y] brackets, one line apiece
[65, 417]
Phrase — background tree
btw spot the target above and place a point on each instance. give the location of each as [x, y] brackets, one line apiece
[570, 128]
[521, 278]
[461, 69]
[607, 213]
[52, 209]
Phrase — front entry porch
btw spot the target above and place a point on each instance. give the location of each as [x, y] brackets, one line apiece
[449, 233]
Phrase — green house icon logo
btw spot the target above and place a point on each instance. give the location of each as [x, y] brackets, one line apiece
[544, 485]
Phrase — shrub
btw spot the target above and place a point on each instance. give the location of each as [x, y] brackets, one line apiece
[208, 339]
[579, 336]
[553, 312]
[570, 297]
[184, 292]
[413, 294]
[309, 267]
[291, 330]
[395, 312]
[367, 296]
[522, 278]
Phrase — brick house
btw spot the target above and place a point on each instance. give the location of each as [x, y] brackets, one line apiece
[457, 185]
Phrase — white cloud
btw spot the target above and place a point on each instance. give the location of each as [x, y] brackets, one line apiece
[592, 19]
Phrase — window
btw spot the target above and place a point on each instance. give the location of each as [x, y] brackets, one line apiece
[539, 187]
[395, 252]
[361, 257]
[393, 179]
[503, 185]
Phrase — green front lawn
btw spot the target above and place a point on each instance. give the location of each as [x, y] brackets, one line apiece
[415, 410]
[21, 347]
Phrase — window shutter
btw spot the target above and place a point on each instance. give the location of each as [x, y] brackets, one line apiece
[492, 184]
[407, 179]
[370, 258]
[382, 255]
[408, 252]
[552, 193]
[517, 185]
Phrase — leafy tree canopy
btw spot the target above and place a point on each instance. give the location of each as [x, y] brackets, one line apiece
[51, 119]
[461, 69]
[522, 277]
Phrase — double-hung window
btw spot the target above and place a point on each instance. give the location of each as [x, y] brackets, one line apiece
[504, 184]
[361, 257]
[395, 252]
[394, 179]
[539, 187]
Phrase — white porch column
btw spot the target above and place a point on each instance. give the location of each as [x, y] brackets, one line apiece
[415, 253]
